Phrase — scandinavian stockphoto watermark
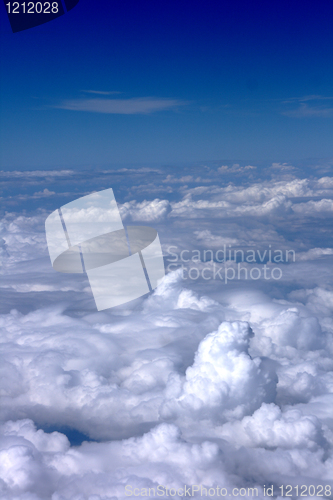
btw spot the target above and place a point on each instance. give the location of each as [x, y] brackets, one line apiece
[228, 263]
[124, 263]
[189, 491]
[198, 490]
[87, 236]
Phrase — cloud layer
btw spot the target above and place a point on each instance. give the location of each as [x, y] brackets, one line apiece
[199, 383]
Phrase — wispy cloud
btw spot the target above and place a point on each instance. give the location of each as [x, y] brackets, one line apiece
[102, 92]
[309, 106]
[23, 174]
[304, 111]
[143, 105]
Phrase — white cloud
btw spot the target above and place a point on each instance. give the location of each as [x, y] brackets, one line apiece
[258, 199]
[235, 169]
[314, 253]
[145, 211]
[37, 173]
[224, 382]
[132, 106]
[102, 92]
[270, 428]
[312, 208]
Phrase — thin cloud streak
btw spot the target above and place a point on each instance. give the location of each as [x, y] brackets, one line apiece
[132, 106]
[308, 98]
[309, 106]
[102, 92]
[305, 111]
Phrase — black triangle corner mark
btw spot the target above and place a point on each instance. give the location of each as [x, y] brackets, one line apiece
[70, 4]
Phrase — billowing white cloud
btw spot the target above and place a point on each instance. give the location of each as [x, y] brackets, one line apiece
[145, 211]
[311, 207]
[267, 198]
[270, 428]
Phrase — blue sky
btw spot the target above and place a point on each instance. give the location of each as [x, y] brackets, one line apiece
[148, 82]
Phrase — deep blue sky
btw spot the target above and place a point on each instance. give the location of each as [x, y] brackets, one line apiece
[249, 81]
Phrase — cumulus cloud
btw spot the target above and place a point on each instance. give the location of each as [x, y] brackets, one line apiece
[271, 428]
[258, 199]
[145, 211]
[312, 207]
[224, 382]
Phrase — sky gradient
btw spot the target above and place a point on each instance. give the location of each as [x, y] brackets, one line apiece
[137, 82]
